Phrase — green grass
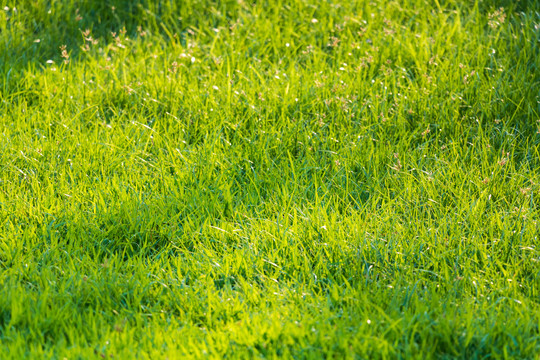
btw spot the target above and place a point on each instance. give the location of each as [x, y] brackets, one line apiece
[307, 179]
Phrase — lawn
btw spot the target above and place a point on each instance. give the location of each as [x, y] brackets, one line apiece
[269, 179]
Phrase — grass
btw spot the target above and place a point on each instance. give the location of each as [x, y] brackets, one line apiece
[307, 179]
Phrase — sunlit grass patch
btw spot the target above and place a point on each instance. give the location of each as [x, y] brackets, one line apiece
[310, 179]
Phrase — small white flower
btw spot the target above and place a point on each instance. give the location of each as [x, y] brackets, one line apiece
[192, 59]
[50, 62]
[215, 87]
[314, 21]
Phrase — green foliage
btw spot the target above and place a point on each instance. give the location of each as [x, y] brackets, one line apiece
[307, 179]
